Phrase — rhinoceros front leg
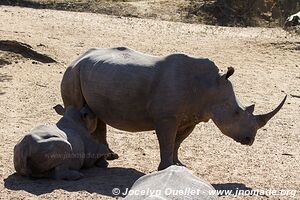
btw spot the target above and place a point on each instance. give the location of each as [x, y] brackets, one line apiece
[180, 137]
[100, 135]
[166, 132]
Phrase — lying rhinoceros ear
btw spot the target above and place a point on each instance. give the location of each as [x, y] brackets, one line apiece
[59, 109]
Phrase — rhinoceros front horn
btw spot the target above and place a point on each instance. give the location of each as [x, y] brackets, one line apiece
[263, 119]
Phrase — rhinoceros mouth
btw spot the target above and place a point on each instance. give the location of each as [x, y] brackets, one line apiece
[245, 141]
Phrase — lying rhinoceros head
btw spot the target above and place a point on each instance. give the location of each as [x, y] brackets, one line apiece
[89, 118]
[232, 118]
[84, 115]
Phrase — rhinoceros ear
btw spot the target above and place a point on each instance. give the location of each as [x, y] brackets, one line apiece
[229, 72]
[59, 109]
[250, 109]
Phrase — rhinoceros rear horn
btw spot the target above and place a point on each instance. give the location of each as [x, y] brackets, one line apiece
[263, 119]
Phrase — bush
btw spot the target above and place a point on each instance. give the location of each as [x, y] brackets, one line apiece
[242, 12]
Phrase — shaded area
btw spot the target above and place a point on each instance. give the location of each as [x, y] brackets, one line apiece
[242, 12]
[213, 12]
[230, 189]
[4, 62]
[96, 180]
[116, 7]
[8, 58]
[287, 45]
[3, 78]
[25, 50]
[295, 96]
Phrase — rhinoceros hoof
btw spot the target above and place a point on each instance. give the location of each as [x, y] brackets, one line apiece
[112, 156]
[163, 165]
[102, 163]
[178, 163]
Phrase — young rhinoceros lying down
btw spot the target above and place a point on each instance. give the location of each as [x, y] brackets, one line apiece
[59, 151]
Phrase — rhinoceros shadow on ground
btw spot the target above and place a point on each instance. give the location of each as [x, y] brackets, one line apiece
[96, 180]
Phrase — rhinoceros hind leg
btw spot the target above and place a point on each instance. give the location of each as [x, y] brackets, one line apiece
[100, 135]
[180, 137]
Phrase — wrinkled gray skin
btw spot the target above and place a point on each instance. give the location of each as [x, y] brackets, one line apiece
[293, 20]
[135, 92]
[173, 178]
[59, 151]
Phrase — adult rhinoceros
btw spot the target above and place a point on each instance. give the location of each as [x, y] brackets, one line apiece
[134, 92]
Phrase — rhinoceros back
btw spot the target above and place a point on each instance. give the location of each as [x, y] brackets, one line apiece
[116, 84]
[125, 88]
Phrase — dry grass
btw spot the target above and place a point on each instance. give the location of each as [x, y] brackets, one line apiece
[156, 9]
[215, 12]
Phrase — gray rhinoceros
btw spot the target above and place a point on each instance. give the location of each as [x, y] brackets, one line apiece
[135, 92]
[59, 151]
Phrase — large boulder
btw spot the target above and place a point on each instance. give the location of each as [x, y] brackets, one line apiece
[175, 182]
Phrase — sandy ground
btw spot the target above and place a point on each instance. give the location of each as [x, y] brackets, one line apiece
[267, 65]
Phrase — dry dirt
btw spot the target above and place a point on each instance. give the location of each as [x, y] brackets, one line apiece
[169, 10]
[267, 64]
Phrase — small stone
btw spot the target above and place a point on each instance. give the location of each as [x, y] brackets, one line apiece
[40, 45]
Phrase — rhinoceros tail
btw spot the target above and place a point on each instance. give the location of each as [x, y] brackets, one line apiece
[71, 91]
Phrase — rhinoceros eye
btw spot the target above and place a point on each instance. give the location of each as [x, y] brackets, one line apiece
[237, 112]
[84, 115]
